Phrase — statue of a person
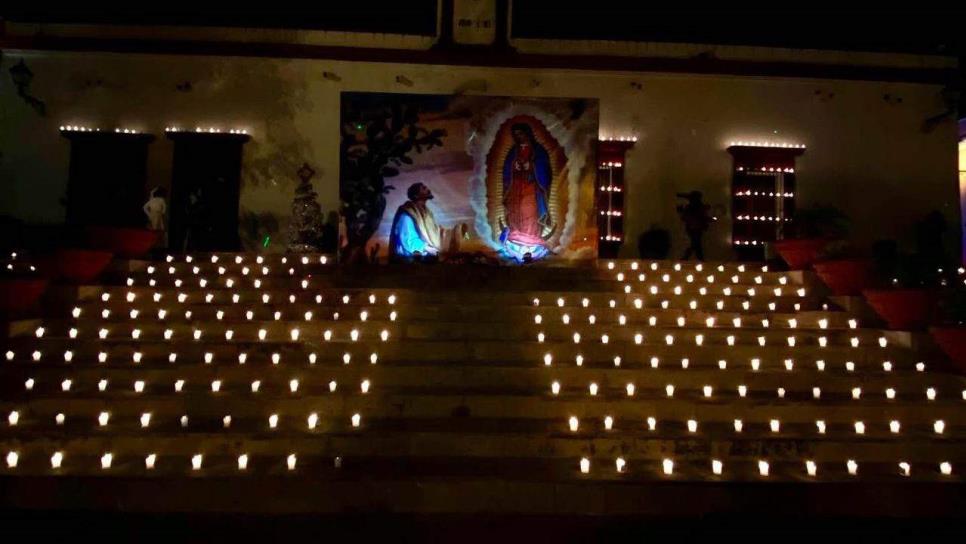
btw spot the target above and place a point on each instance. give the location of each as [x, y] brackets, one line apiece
[414, 233]
[156, 208]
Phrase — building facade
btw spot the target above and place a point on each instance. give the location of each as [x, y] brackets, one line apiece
[878, 143]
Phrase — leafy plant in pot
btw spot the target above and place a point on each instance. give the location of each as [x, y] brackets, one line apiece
[949, 332]
[810, 231]
[844, 269]
[654, 243]
[20, 287]
[907, 292]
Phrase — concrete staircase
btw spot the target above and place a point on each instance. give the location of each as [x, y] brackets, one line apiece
[222, 383]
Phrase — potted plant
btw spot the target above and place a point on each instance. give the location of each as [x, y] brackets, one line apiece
[654, 243]
[949, 332]
[77, 266]
[810, 231]
[125, 242]
[20, 288]
[906, 292]
[844, 269]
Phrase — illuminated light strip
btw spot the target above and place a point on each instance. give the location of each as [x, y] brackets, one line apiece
[209, 130]
[76, 128]
[785, 170]
[749, 192]
[781, 145]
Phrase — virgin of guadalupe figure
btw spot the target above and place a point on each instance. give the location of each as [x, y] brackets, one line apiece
[526, 187]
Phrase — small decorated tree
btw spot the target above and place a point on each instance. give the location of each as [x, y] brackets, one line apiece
[305, 230]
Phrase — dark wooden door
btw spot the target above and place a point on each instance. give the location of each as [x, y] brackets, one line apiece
[106, 182]
[205, 185]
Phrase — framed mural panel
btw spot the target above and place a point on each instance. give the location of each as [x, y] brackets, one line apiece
[468, 177]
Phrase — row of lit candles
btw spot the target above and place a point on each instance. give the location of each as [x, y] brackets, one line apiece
[710, 278]
[707, 391]
[573, 423]
[785, 170]
[628, 288]
[150, 461]
[774, 425]
[678, 267]
[727, 291]
[138, 386]
[749, 192]
[677, 290]
[730, 340]
[637, 302]
[182, 298]
[209, 357]
[764, 468]
[709, 322]
[620, 464]
[238, 259]
[294, 334]
[209, 130]
[754, 362]
[162, 314]
[762, 218]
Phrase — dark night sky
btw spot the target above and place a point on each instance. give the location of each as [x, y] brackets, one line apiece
[881, 29]
[923, 30]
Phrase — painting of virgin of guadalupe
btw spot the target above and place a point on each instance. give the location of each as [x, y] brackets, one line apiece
[527, 168]
[527, 178]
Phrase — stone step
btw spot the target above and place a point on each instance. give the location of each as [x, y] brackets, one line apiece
[322, 331]
[475, 444]
[322, 468]
[573, 382]
[156, 351]
[238, 400]
[222, 277]
[760, 301]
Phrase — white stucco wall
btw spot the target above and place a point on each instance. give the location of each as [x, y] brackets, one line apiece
[867, 155]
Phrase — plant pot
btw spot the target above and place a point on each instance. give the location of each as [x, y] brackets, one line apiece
[903, 309]
[845, 276]
[75, 265]
[17, 295]
[799, 254]
[128, 243]
[952, 340]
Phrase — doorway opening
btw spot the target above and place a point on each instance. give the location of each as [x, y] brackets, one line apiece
[205, 188]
